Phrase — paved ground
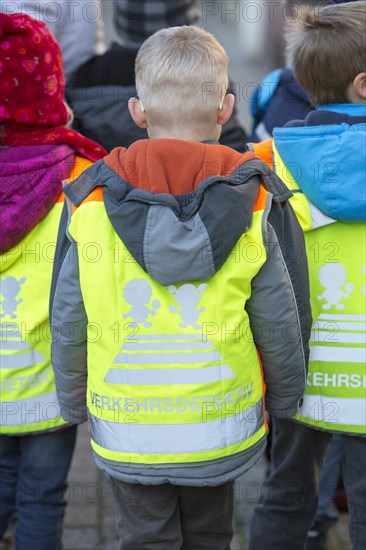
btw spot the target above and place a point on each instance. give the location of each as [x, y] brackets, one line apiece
[90, 525]
[89, 522]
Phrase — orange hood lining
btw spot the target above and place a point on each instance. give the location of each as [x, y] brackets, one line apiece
[173, 166]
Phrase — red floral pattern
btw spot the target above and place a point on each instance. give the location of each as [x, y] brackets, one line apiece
[32, 108]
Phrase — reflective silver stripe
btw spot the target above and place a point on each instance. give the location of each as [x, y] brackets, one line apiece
[30, 411]
[341, 317]
[337, 354]
[177, 438]
[137, 346]
[9, 330]
[141, 337]
[318, 219]
[332, 325]
[20, 360]
[166, 358]
[169, 376]
[268, 201]
[334, 410]
[332, 336]
[14, 345]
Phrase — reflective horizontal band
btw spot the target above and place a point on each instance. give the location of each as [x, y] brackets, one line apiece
[20, 360]
[177, 438]
[337, 354]
[339, 326]
[318, 218]
[10, 333]
[141, 337]
[15, 345]
[30, 411]
[329, 336]
[169, 376]
[334, 410]
[137, 346]
[166, 358]
[341, 317]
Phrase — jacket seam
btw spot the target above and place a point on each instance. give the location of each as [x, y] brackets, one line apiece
[207, 243]
[145, 245]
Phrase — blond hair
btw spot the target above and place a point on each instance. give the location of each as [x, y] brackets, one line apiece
[327, 49]
[181, 77]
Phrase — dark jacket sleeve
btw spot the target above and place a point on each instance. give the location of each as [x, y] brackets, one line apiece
[279, 312]
[69, 339]
[233, 134]
[62, 246]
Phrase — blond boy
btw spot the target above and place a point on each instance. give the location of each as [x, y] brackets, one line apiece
[191, 319]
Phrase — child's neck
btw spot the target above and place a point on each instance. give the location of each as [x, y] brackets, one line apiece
[206, 135]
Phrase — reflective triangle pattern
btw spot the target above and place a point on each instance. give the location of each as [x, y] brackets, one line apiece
[145, 360]
[337, 338]
[11, 341]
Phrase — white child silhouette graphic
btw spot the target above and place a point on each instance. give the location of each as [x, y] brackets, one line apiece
[187, 296]
[138, 293]
[10, 287]
[333, 276]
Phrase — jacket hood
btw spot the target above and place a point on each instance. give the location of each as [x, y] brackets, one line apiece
[326, 155]
[179, 207]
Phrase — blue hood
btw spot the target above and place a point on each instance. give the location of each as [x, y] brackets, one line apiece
[326, 155]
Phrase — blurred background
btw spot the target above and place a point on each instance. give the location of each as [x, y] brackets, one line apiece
[251, 31]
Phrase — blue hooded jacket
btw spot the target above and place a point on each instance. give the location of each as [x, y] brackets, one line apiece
[326, 155]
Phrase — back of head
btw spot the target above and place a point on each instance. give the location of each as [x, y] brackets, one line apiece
[181, 78]
[326, 47]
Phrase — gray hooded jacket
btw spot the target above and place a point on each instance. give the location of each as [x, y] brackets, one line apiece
[166, 234]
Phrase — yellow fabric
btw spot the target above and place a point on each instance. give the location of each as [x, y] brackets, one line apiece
[26, 336]
[28, 393]
[124, 314]
[298, 200]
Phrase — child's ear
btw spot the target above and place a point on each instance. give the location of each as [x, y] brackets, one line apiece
[227, 109]
[137, 113]
[359, 84]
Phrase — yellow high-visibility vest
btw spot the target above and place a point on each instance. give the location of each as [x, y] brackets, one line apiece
[335, 398]
[28, 401]
[173, 372]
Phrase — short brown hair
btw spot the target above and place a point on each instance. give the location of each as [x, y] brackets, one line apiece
[327, 49]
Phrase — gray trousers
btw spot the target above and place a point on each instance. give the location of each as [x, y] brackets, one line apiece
[172, 517]
[290, 494]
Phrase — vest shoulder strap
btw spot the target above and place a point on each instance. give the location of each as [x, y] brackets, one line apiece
[80, 165]
[263, 150]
